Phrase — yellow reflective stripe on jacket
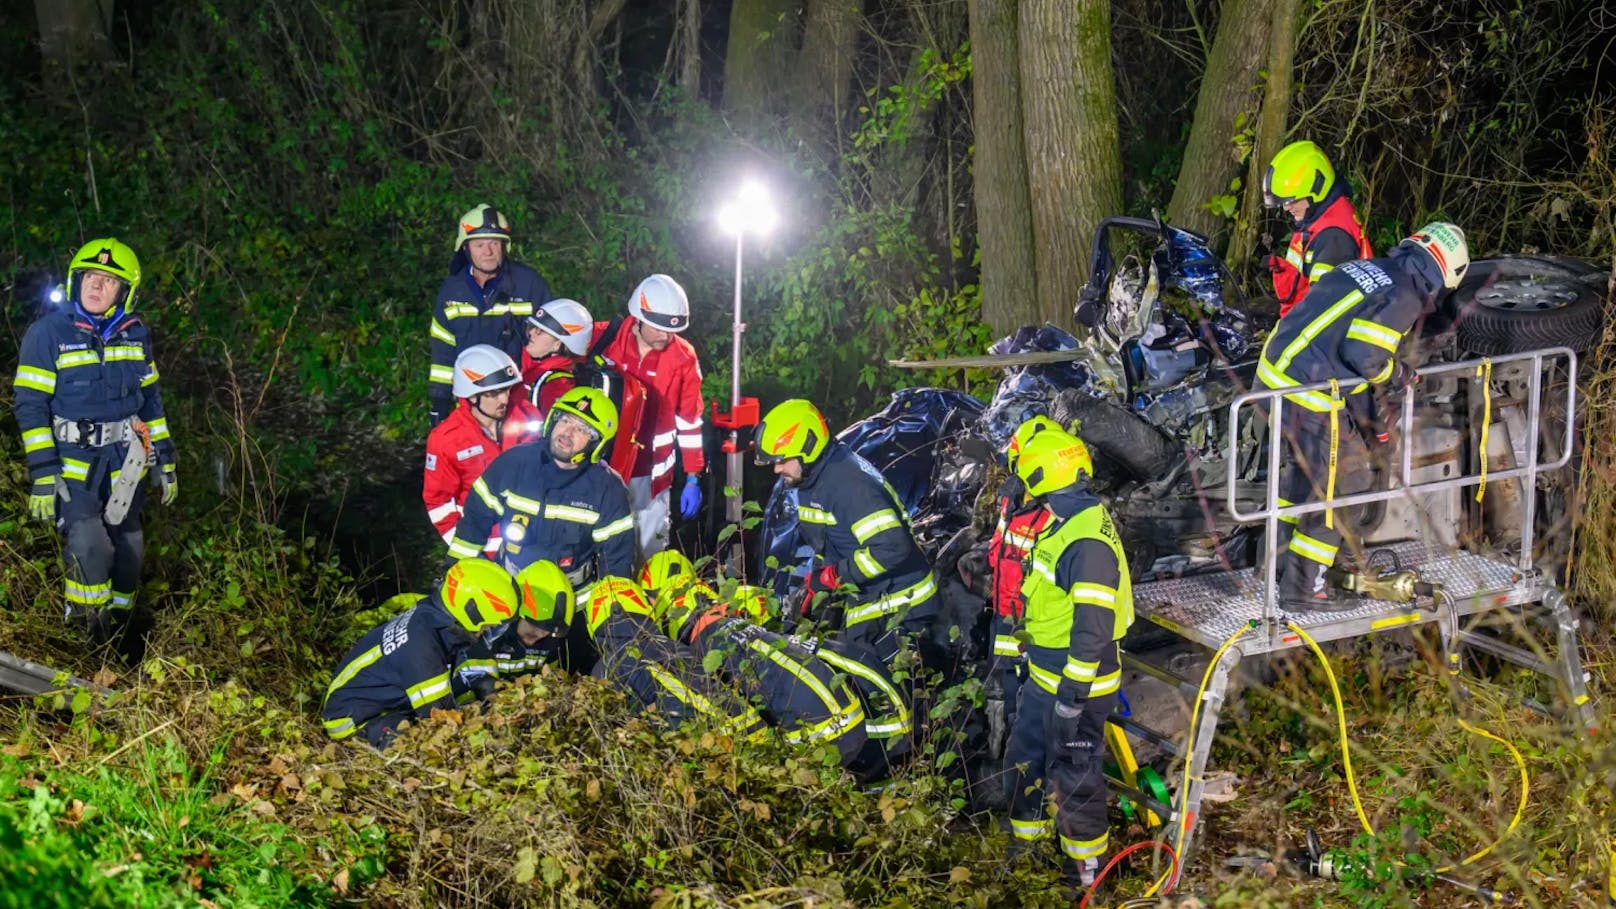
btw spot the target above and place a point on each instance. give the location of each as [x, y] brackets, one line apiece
[1317, 401]
[124, 352]
[1316, 327]
[1374, 333]
[441, 333]
[461, 549]
[815, 516]
[621, 525]
[1045, 679]
[428, 691]
[1317, 270]
[1094, 595]
[892, 602]
[872, 524]
[75, 358]
[443, 375]
[354, 667]
[867, 563]
[846, 718]
[158, 429]
[37, 439]
[488, 497]
[32, 377]
[571, 513]
[1006, 645]
[1106, 684]
[1082, 671]
[523, 503]
[150, 378]
[340, 728]
[793, 668]
[513, 308]
[74, 469]
[459, 310]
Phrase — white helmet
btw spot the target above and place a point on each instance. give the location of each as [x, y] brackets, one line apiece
[483, 221]
[660, 302]
[483, 367]
[1446, 244]
[567, 320]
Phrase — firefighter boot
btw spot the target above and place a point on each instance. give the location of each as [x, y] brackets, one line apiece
[1303, 588]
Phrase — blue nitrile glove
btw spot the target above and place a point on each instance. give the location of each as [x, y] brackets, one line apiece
[690, 499]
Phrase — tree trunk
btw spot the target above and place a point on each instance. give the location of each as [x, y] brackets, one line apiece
[1276, 107]
[72, 32]
[1069, 117]
[757, 54]
[1224, 103]
[1003, 206]
[687, 44]
[825, 70]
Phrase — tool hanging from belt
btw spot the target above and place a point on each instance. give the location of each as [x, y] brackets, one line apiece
[139, 457]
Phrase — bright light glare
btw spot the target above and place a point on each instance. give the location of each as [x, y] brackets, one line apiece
[751, 212]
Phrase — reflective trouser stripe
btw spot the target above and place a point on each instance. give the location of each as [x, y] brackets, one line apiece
[1032, 830]
[831, 728]
[1312, 549]
[341, 728]
[1085, 849]
[88, 594]
[892, 602]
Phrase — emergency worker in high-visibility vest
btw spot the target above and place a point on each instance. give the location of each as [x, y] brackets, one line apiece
[1349, 330]
[1079, 604]
[1021, 519]
[1302, 181]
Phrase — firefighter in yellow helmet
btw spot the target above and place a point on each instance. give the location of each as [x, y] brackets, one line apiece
[403, 669]
[92, 424]
[1079, 604]
[859, 532]
[1325, 233]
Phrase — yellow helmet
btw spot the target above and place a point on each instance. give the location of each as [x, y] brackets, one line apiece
[545, 596]
[611, 595]
[483, 221]
[1030, 427]
[673, 610]
[109, 255]
[752, 603]
[479, 594]
[792, 429]
[1053, 460]
[1301, 170]
[595, 408]
[667, 570]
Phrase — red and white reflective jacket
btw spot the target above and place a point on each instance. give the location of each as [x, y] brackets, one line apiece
[672, 380]
[1012, 541]
[533, 370]
[457, 450]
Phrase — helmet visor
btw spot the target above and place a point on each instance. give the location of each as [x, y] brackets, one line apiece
[504, 377]
[548, 324]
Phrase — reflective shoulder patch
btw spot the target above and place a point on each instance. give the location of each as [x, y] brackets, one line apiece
[466, 453]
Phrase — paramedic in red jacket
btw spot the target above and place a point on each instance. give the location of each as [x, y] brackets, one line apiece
[1302, 181]
[558, 336]
[488, 419]
[647, 346]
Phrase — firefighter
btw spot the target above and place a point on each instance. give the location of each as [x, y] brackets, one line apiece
[1079, 604]
[1021, 519]
[1348, 330]
[806, 699]
[92, 424]
[489, 419]
[857, 528]
[553, 500]
[558, 337]
[653, 670]
[402, 669]
[647, 345]
[1326, 233]
[545, 609]
[482, 301]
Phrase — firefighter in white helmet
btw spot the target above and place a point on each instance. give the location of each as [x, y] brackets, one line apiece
[648, 346]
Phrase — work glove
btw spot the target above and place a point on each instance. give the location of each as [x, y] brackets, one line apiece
[690, 499]
[42, 500]
[1065, 737]
[820, 584]
[168, 480]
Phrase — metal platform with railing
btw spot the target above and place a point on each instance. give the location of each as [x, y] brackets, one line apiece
[1479, 600]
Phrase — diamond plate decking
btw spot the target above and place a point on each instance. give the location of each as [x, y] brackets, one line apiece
[1209, 608]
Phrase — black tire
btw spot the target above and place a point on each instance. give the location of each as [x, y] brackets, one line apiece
[1522, 303]
[1118, 435]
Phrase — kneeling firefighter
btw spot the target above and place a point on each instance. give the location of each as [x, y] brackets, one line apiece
[1079, 604]
[403, 669]
[92, 423]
